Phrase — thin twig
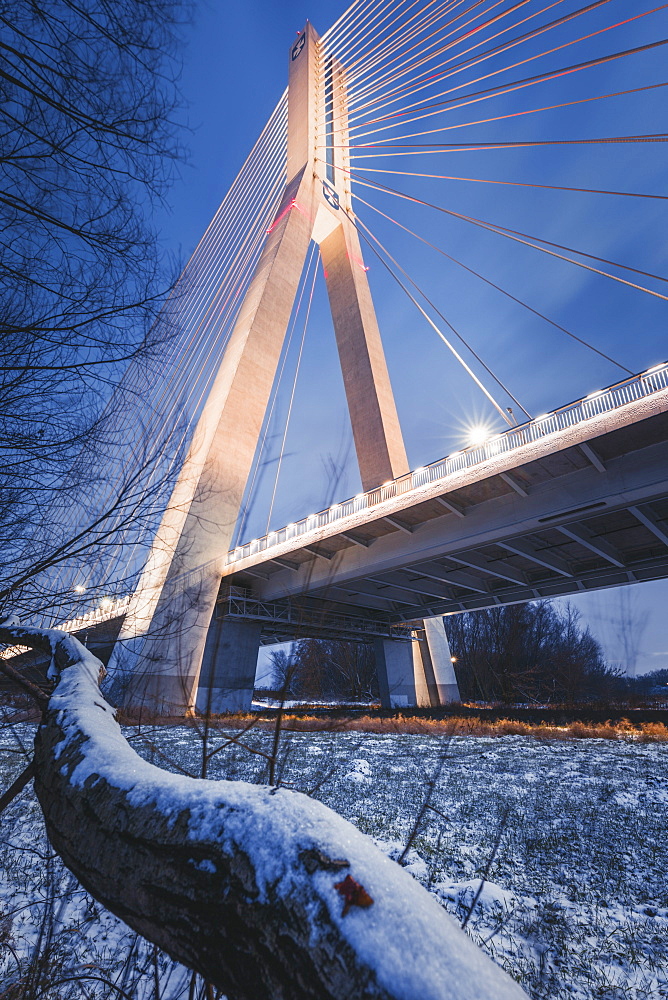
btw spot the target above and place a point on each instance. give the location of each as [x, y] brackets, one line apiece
[36, 693]
[431, 785]
[232, 739]
[438, 811]
[278, 724]
[490, 862]
[166, 757]
[17, 786]
[156, 973]
[73, 979]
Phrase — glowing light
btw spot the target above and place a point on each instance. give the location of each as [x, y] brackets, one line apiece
[453, 659]
[105, 604]
[79, 589]
[478, 435]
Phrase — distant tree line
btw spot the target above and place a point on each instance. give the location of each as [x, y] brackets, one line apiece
[651, 685]
[522, 653]
[325, 670]
[529, 653]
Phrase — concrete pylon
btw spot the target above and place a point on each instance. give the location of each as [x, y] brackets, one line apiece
[169, 630]
[396, 673]
[436, 683]
[417, 673]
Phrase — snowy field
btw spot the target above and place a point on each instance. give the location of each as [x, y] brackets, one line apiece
[572, 836]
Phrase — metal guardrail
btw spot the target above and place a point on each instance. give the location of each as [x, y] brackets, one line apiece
[287, 614]
[109, 608]
[631, 390]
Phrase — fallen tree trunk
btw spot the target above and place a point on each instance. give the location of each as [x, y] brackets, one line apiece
[264, 891]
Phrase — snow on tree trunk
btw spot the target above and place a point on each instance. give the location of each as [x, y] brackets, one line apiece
[264, 891]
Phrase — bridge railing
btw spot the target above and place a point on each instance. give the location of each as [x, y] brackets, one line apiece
[109, 608]
[596, 403]
[236, 606]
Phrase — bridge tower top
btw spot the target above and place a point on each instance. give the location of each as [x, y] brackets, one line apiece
[317, 128]
[303, 92]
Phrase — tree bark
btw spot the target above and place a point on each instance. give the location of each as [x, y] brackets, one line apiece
[263, 891]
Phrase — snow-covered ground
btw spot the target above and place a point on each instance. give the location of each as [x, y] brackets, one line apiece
[576, 899]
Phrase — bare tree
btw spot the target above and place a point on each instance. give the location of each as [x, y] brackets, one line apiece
[282, 671]
[630, 624]
[87, 143]
[527, 652]
[333, 668]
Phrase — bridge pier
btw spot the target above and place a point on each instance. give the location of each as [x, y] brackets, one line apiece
[433, 651]
[229, 664]
[396, 673]
[419, 673]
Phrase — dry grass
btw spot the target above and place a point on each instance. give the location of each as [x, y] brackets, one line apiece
[643, 732]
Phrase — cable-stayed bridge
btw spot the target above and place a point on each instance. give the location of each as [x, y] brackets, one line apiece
[569, 501]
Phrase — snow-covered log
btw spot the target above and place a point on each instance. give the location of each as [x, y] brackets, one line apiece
[264, 891]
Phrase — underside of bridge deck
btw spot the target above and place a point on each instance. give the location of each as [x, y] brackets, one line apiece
[585, 517]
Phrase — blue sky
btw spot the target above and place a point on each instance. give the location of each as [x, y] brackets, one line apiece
[235, 70]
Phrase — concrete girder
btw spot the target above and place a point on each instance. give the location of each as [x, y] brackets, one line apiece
[385, 591]
[598, 546]
[397, 523]
[380, 603]
[434, 571]
[356, 540]
[635, 476]
[451, 506]
[651, 522]
[514, 484]
[497, 567]
[318, 552]
[404, 580]
[591, 455]
[525, 547]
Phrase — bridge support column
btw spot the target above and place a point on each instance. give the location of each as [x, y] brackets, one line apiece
[396, 675]
[439, 686]
[229, 664]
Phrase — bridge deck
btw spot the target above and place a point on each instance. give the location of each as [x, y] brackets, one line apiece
[574, 501]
